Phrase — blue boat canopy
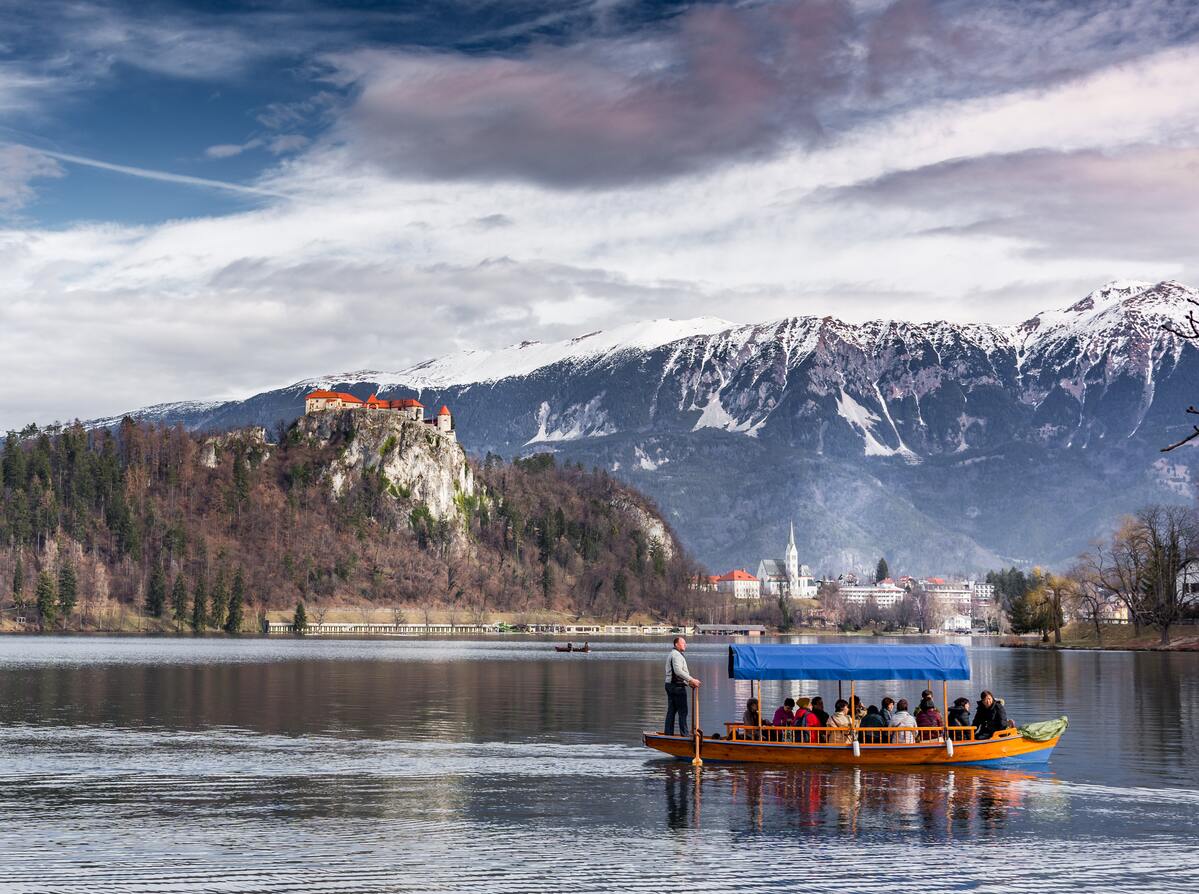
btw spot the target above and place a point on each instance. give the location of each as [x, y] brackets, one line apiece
[845, 662]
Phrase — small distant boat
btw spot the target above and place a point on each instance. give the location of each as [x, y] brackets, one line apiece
[1031, 744]
[571, 647]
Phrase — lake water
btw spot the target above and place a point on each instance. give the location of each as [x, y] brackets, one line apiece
[141, 765]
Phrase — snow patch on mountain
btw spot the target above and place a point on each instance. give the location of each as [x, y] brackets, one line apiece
[468, 367]
[863, 420]
[714, 415]
[579, 421]
[159, 413]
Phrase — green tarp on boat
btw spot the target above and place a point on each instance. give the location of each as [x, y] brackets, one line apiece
[1045, 730]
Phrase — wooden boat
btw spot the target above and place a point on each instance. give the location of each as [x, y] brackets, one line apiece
[856, 746]
[571, 647]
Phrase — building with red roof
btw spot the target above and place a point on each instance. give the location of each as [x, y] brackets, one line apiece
[330, 400]
[740, 584]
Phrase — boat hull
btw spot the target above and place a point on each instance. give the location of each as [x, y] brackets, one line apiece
[1012, 750]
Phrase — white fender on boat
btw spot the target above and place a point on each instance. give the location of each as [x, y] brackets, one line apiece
[857, 749]
[949, 747]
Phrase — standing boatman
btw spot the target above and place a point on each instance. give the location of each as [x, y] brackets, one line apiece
[678, 678]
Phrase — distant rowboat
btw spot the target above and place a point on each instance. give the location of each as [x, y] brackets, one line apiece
[571, 647]
[855, 746]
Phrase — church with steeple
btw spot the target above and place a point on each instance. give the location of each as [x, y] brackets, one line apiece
[786, 575]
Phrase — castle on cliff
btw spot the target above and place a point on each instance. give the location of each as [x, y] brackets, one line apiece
[409, 407]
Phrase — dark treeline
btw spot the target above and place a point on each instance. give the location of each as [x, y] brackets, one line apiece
[207, 533]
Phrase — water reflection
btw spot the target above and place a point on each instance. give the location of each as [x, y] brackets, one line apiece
[137, 765]
[940, 804]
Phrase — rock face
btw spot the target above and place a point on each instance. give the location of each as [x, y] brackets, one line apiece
[252, 440]
[414, 462]
[944, 447]
[652, 527]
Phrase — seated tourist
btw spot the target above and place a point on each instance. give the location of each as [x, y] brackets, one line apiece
[818, 710]
[928, 716]
[856, 709]
[887, 709]
[991, 716]
[872, 720]
[959, 715]
[785, 715]
[752, 716]
[840, 719]
[903, 718]
[805, 717]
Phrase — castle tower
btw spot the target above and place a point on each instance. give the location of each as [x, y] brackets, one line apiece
[792, 560]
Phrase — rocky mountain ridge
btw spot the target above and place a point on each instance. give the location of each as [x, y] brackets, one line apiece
[887, 437]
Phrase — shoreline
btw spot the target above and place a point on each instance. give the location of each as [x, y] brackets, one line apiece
[1187, 646]
[1076, 638]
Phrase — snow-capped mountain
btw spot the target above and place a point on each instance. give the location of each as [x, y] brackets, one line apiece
[943, 446]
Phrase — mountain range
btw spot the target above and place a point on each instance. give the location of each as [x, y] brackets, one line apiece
[944, 447]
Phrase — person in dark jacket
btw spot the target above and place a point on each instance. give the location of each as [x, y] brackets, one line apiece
[872, 720]
[888, 709]
[818, 710]
[959, 715]
[991, 717]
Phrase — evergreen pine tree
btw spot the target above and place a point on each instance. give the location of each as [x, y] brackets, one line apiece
[156, 593]
[68, 589]
[237, 602]
[18, 584]
[200, 604]
[14, 462]
[179, 599]
[881, 572]
[620, 586]
[47, 600]
[299, 622]
[219, 603]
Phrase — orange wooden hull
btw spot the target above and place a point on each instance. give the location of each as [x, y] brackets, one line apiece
[1011, 750]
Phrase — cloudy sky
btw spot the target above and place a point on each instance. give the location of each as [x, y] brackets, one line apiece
[203, 200]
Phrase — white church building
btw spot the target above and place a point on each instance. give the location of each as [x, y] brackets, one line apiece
[786, 575]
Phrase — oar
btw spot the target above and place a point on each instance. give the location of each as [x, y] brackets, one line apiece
[696, 761]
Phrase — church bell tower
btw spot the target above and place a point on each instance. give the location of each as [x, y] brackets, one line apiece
[792, 559]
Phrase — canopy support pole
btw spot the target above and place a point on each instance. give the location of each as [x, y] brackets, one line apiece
[853, 721]
[945, 717]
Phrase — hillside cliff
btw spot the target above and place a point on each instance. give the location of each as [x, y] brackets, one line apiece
[348, 508]
[413, 462]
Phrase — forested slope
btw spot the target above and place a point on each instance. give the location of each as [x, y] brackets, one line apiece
[208, 532]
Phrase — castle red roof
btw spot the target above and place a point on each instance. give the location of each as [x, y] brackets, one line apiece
[444, 411]
[321, 394]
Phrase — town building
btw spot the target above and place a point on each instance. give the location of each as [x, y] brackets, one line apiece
[408, 407]
[1187, 581]
[956, 599]
[885, 594]
[982, 601]
[957, 623]
[740, 584]
[953, 596]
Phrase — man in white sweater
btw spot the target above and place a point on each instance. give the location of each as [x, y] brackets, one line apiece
[678, 678]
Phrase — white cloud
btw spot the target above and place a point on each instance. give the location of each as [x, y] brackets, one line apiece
[19, 168]
[361, 268]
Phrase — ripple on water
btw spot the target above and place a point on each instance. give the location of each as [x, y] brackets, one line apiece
[135, 766]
